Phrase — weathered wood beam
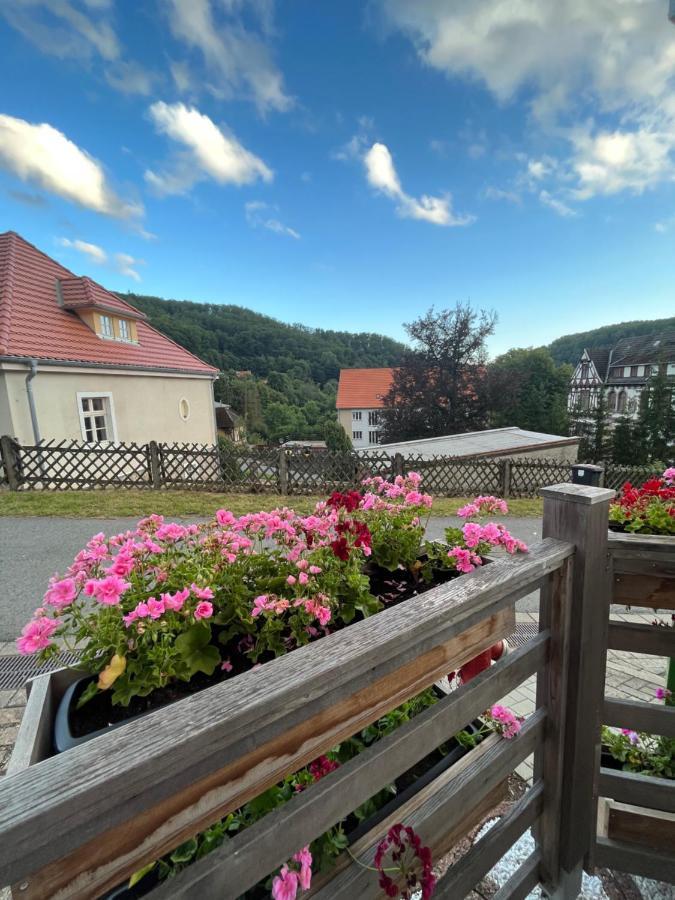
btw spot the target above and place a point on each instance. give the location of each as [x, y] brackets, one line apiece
[461, 878]
[640, 716]
[447, 807]
[523, 880]
[220, 747]
[635, 859]
[235, 867]
[634, 638]
[640, 790]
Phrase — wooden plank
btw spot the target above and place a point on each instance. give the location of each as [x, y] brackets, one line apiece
[652, 828]
[640, 716]
[462, 877]
[307, 815]
[652, 591]
[273, 714]
[635, 860]
[647, 564]
[440, 843]
[579, 514]
[254, 769]
[447, 807]
[552, 685]
[524, 880]
[640, 545]
[641, 790]
[635, 638]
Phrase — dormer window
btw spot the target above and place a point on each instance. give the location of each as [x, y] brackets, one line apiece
[125, 333]
[106, 327]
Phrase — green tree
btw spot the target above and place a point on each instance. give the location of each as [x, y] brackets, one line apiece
[625, 451]
[657, 415]
[336, 438]
[441, 385]
[528, 390]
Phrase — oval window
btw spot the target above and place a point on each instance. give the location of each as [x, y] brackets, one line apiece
[184, 409]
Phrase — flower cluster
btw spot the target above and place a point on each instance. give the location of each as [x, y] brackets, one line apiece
[293, 875]
[649, 509]
[412, 864]
[483, 506]
[504, 721]
[168, 600]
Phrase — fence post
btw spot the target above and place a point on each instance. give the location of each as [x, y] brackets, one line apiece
[575, 606]
[505, 477]
[9, 451]
[397, 464]
[155, 468]
[283, 472]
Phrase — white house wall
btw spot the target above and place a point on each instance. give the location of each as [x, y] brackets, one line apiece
[147, 406]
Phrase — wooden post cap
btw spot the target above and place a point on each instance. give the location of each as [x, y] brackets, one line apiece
[577, 493]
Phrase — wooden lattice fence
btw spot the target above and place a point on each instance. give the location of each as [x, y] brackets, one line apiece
[69, 465]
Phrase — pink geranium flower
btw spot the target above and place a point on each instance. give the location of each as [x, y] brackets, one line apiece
[61, 593]
[36, 635]
[155, 607]
[204, 610]
[285, 884]
[175, 602]
[109, 590]
[201, 593]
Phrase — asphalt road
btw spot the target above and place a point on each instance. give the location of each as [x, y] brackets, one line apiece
[34, 548]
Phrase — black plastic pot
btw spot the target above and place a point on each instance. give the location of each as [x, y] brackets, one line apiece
[403, 796]
[63, 737]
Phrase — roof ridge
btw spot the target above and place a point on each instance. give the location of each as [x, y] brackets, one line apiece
[6, 302]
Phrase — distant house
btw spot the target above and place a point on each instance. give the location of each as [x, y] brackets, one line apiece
[360, 398]
[228, 424]
[494, 442]
[79, 363]
[620, 373]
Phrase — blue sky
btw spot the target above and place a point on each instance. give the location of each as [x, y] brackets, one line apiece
[347, 165]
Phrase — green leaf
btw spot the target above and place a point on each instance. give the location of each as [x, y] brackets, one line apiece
[141, 873]
[196, 637]
[185, 852]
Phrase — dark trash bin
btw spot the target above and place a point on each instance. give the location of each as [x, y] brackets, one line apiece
[587, 474]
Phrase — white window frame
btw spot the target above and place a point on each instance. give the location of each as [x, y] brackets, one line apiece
[356, 415]
[357, 435]
[373, 437]
[670, 369]
[105, 395]
[641, 371]
[103, 318]
[124, 324]
[626, 371]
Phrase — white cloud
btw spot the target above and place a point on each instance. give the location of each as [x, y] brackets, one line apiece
[93, 251]
[122, 263]
[235, 56]
[209, 152]
[46, 157]
[130, 78]
[382, 175]
[568, 59]
[63, 29]
[258, 216]
[609, 162]
[557, 205]
[495, 193]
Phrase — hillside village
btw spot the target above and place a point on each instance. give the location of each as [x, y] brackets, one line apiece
[337, 470]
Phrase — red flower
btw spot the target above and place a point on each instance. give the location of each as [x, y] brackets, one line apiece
[340, 548]
[322, 766]
[398, 840]
[348, 500]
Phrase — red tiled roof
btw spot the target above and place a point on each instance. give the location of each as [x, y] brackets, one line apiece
[363, 388]
[33, 323]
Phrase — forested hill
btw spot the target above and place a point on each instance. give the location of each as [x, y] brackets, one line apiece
[234, 338]
[568, 349]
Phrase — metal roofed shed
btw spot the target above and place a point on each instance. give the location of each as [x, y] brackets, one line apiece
[494, 442]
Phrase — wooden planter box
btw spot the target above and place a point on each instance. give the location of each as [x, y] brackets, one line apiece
[629, 824]
[643, 572]
[411, 646]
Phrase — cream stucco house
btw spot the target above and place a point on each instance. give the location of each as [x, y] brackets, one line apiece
[78, 363]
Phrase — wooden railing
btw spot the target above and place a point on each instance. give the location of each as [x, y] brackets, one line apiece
[638, 836]
[80, 823]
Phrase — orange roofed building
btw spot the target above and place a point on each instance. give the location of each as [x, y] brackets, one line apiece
[360, 397]
[77, 362]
